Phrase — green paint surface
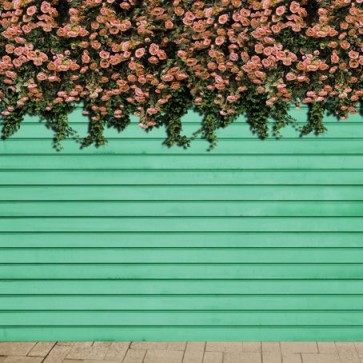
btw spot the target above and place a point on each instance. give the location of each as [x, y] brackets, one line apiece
[256, 240]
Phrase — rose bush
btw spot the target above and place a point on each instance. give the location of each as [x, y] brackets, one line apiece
[156, 59]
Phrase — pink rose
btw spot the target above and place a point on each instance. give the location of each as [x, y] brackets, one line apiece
[154, 49]
[85, 57]
[45, 7]
[169, 24]
[233, 57]
[41, 76]
[334, 58]
[280, 10]
[104, 54]
[290, 76]
[223, 19]
[31, 10]
[353, 54]
[294, 7]
[220, 40]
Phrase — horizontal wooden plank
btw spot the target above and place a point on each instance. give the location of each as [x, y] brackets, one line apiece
[181, 318]
[196, 162]
[191, 115]
[187, 333]
[189, 287]
[239, 129]
[182, 271]
[180, 177]
[180, 302]
[150, 146]
[258, 239]
[181, 255]
[177, 192]
[181, 208]
[174, 224]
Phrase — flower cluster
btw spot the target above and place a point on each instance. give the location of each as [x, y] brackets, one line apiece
[156, 59]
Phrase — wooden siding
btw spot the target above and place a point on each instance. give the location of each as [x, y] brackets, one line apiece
[256, 240]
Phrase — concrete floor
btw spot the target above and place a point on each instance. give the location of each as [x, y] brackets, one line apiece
[181, 352]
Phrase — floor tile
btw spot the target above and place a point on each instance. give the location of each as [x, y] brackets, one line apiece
[242, 358]
[177, 345]
[251, 347]
[163, 356]
[299, 347]
[213, 357]
[149, 345]
[271, 357]
[16, 348]
[41, 349]
[18, 359]
[347, 352]
[291, 358]
[271, 347]
[134, 356]
[235, 347]
[58, 354]
[327, 347]
[320, 358]
[117, 351]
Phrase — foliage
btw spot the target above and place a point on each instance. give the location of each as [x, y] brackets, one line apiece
[156, 59]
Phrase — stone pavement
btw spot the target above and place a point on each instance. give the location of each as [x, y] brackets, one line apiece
[181, 352]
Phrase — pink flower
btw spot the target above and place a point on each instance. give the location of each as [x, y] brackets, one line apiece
[45, 7]
[344, 44]
[104, 63]
[268, 51]
[198, 101]
[233, 57]
[223, 19]
[41, 76]
[154, 49]
[38, 61]
[353, 63]
[220, 40]
[53, 78]
[153, 60]
[10, 74]
[353, 54]
[181, 76]
[167, 77]
[85, 57]
[169, 24]
[294, 7]
[182, 53]
[104, 54]
[17, 63]
[280, 10]
[191, 62]
[31, 10]
[301, 78]
[259, 48]
[153, 111]
[334, 58]
[290, 76]
[9, 48]
[96, 44]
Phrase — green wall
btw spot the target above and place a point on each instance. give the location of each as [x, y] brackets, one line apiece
[257, 240]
